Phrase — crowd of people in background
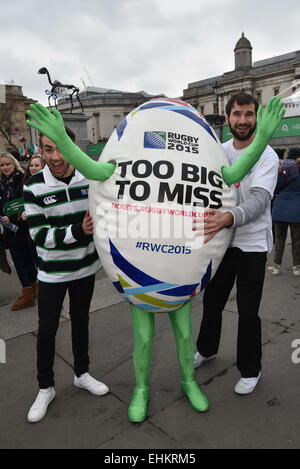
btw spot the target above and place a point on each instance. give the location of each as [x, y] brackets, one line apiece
[286, 209]
[16, 237]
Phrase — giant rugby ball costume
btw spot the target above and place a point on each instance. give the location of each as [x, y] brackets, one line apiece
[168, 172]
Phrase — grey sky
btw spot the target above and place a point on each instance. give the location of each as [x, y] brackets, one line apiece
[154, 45]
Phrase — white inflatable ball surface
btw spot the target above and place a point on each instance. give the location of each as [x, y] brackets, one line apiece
[168, 172]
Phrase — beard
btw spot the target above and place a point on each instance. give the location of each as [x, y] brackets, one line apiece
[244, 137]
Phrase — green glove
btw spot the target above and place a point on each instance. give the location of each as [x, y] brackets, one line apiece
[51, 124]
[267, 123]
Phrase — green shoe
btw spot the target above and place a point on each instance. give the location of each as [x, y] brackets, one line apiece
[197, 399]
[137, 409]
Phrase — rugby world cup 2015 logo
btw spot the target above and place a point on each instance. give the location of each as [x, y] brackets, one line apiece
[155, 139]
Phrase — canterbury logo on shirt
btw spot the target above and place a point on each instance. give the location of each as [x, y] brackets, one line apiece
[51, 199]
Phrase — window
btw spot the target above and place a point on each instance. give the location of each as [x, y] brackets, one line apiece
[116, 120]
[276, 91]
[202, 109]
[258, 96]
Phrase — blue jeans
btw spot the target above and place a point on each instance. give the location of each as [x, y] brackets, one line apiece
[24, 261]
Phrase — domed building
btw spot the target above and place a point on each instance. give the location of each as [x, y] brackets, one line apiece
[243, 54]
[263, 79]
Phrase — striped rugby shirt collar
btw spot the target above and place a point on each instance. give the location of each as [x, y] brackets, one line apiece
[52, 181]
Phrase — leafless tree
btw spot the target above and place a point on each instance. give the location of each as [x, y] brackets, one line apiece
[7, 111]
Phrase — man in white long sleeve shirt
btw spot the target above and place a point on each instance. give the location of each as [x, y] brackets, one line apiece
[245, 259]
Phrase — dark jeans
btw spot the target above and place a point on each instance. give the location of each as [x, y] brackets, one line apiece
[50, 301]
[24, 262]
[281, 229]
[248, 269]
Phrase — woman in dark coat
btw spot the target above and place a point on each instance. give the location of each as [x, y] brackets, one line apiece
[286, 212]
[18, 242]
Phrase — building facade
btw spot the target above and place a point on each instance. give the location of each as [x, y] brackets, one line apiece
[263, 79]
[14, 133]
[104, 108]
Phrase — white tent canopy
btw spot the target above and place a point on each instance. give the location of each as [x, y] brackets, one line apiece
[292, 104]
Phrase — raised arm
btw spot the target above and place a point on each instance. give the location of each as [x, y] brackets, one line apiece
[267, 123]
[51, 124]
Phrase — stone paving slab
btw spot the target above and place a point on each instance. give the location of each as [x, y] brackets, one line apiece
[110, 338]
[279, 293]
[75, 419]
[268, 418]
[14, 323]
[296, 326]
[141, 436]
[104, 295]
[165, 375]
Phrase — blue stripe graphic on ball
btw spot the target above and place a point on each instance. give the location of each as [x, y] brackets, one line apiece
[154, 140]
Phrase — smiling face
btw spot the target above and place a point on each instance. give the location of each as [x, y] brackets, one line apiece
[242, 121]
[36, 165]
[58, 166]
[7, 167]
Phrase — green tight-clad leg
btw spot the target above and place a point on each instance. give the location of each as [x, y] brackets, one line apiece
[143, 332]
[182, 328]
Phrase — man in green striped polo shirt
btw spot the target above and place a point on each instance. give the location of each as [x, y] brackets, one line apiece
[56, 204]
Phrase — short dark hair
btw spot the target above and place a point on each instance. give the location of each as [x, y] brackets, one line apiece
[280, 152]
[293, 153]
[241, 99]
[69, 132]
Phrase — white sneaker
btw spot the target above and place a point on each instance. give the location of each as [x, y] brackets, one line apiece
[199, 359]
[86, 381]
[296, 270]
[246, 385]
[39, 408]
[274, 269]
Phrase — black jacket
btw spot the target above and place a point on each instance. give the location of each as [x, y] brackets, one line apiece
[10, 191]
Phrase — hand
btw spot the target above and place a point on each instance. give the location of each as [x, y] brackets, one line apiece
[269, 120]
[5, 220]
[49, 123]
[88, 224]
[213, 222]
